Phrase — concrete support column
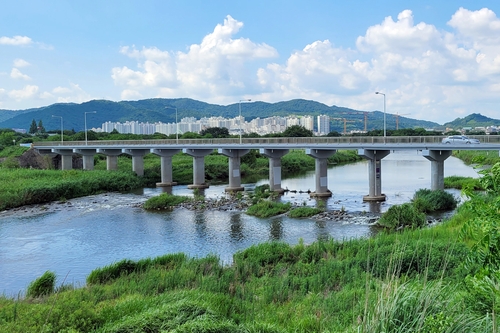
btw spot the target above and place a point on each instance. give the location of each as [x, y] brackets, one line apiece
[374, 173]
[321, 173]
[111, 157]
[234, 167]
[137, 159]
[198, 166]
[166, 166]
[66, 158]
[274, 156]
[437, 158]
[88, 157]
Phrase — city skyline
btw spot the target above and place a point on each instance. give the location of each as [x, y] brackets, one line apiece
[261, 126]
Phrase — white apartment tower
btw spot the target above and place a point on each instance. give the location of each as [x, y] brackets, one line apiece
[307, 122]
[323, 124]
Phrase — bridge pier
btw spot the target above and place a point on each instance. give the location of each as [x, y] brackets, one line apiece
[437, 158]
[321, 166]
[87, 156]
[66, 158]
[111, 157]
[274, 156]
[166, 166]
[137, 159]
[234, 168]
[374, 173]
[198, 166]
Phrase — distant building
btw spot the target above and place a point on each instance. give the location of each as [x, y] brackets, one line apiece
[323, 125]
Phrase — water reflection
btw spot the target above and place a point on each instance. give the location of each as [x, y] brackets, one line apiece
[321, 230]
[236, 227]
[276, 228]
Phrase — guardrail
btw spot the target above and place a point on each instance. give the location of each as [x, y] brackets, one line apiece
[274, 140]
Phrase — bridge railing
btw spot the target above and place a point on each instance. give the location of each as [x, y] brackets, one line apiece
[275, 140]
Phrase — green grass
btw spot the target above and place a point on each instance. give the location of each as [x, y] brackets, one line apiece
[304, 212]
[20, 187]
[266, 208]
[460, 182]
[164, 201]
[480, 157]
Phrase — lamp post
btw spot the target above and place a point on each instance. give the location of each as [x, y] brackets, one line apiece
[242, 100]
[176, 124]
[86, 124]
[61, 126]
[379, 93]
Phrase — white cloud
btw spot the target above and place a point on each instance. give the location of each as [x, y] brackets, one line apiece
[16, 74]
[21, 63]
[73, 93]
[16, 40]
[29, 91]
[215, 67]
[130, 94]
[401, 37]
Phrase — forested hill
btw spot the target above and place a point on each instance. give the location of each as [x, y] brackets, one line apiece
[161, 109]
[473, 120]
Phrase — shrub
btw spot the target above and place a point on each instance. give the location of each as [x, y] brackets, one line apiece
[10, 163]
[402, 216]
[164, 201]
[304, 212]
[44, 285]
[268, 208]
[426, 200]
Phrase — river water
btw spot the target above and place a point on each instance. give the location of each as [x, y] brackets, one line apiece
[75, 237]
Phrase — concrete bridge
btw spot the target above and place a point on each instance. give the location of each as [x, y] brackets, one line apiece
[374, 149]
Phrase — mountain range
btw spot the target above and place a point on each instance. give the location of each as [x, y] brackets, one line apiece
[164, 110]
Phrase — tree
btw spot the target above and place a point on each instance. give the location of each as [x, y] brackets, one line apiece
[216, 132]
[334, 134]
[33, 127]
[297, 131]
[41, 129]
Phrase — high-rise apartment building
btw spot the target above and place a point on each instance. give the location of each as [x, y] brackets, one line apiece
[323, 124]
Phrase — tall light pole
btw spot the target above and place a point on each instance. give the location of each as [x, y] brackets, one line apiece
[379, 93]
[176, 124]
[86, 124]
[61, 126]
[242, 100]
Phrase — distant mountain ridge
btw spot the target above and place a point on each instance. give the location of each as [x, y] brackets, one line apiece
[162, 110]
[473, 120]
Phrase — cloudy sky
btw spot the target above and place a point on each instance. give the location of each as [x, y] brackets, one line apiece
[434, 60]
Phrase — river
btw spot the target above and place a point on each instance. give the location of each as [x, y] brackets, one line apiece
[77, 236]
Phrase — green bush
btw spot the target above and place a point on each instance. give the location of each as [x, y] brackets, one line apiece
[42, 286]
[164, 201]
[268, 208]
[427, 201]
[402, 216]
[304, 212]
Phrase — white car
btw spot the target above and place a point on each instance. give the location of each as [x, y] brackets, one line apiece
[460, 139]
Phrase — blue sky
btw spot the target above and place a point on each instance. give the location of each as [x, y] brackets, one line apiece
[434, 60]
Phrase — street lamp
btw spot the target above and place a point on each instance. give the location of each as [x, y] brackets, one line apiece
[176, 124]
[379, 93]
[61, 126]
[86, 124]
[242, 100]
